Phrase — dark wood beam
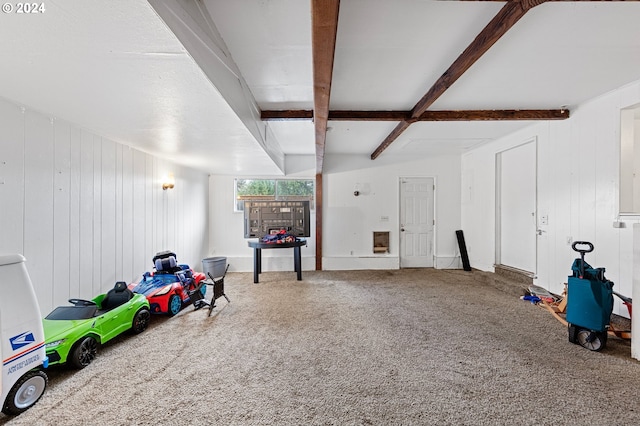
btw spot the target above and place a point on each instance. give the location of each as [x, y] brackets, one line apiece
[286, 115]
[492, 32]
[324, 27]
[462, 115]
[305, 114]
[318, 202]
[495, 115]
[368, 115]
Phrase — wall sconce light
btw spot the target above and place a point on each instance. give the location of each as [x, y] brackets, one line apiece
[356, 191]
[168, 182]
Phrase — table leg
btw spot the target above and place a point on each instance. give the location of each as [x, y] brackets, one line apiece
[297, 262]
[259, 261]
[257, 264]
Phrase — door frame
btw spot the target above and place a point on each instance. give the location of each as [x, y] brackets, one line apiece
[498, 204]
[434, 240]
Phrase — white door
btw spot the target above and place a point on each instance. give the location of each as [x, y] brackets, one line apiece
[517, 206]
[416, 222]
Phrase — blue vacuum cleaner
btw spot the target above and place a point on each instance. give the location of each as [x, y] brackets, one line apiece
[589, 302]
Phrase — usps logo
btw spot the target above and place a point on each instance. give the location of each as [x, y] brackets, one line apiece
[21, 340]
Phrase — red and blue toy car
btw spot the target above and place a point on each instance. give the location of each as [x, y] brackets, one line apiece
[167, 288]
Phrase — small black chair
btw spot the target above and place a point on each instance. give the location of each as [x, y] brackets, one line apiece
[117, 296]
[218, 291]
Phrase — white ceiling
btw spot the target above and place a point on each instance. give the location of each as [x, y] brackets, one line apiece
[115, 68]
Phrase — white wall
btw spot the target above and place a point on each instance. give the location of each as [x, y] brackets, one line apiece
[348, 221]
[86, 211]
[578, 181]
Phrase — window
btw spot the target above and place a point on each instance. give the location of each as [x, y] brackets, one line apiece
[273, 189]
[630, 160]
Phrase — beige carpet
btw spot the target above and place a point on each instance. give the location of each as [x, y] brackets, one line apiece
[422, 347]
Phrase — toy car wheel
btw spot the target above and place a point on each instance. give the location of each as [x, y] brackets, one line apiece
[84, 352]
[174, 304]
[573, 331]
[25, 392]
[140, 321]
[591, 340]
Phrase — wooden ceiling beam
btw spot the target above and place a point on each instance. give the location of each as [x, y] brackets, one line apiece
[286, 115]
[506, 18]
[324, 27]
[495, 115]
[455, 115]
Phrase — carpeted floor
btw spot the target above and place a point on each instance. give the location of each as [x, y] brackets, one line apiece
[423, 347]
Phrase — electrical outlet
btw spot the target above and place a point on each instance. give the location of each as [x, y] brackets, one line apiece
[569, 240]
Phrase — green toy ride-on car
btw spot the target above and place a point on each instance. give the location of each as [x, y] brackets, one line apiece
[73, 333]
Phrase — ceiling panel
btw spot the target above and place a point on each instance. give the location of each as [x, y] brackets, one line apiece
[559, 53]
[271, 43]
[356, 137]
[388, 54]
[294, 136]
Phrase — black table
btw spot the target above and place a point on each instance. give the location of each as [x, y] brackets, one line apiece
[257, 247]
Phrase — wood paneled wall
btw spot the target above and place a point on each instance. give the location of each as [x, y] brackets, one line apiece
[86, 211]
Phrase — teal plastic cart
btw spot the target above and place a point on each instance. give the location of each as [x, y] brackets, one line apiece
[589, 302]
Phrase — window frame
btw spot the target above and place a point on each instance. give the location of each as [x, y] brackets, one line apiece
[311, 198]
[629, 168]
